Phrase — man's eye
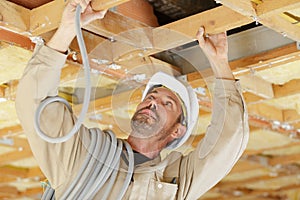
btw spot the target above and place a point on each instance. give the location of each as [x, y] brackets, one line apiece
[150, 97]
[168, 103]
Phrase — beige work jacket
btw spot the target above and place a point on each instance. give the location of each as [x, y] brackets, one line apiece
[225, 140]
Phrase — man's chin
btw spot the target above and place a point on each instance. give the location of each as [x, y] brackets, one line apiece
[142, 131]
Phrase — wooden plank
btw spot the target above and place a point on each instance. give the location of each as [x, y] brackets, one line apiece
[289, 88]
[113, 24]
[264, 151]
[247, 7]
[251, 98]
[46, 17]
[284, 160]
[265, 59]
[14, 17]
[260, 122]
[6, 178]
[266, 111]
[215, 20]
[21, 172]
[272, 7]
[265, 89]
[290, 192]
[283, 26]
[257, 85]
[268, 14]
[105, 4]
[148, 65]
[16, 39]
[273, 113]
[13, 192]
[15, 155]
[18, 143]
[8, 131]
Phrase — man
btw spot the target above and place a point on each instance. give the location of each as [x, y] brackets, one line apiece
[164, 119]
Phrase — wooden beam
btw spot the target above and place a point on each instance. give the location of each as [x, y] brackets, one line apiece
[8, 131]
[272, 113]
[105, 4]
[268, 14]
[44, 19]
[265, 59]
[247, 7]
[13, 192]
[289, 88]
[16, 39]
[258, 121]
[284, 160]
[215, 20]
[18, 143]
[257, 85]
[14, 17]
[265, 89]
[113, 24]
[272, 7]
[15, 155]
[282, 26]
[251, 98]
[21, 172]
[264, 151]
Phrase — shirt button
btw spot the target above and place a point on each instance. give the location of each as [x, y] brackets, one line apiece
[159, 185]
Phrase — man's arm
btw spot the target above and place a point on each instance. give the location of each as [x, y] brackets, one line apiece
[227, 135]
[39, 81]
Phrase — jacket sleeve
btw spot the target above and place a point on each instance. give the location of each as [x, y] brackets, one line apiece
[40, 80]
[224, 142]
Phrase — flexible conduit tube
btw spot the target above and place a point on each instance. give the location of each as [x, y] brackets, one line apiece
[87, 93]
[104, 152]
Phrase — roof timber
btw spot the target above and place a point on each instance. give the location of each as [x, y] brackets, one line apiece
[20, 171]
[9, 192]
[14, 17]
[105, 4]
[15, 155]
[268, 14]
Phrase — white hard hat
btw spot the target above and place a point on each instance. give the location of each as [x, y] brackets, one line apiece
[187, 96]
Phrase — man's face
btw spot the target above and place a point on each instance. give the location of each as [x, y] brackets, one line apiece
[159, 111]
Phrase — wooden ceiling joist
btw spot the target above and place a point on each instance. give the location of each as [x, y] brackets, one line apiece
[257, 121]
[21, 172]
[269, 90]
[14, 17]
[247, 7]
[9, 131]
[267, 13]
[15, 155]
[16, 39]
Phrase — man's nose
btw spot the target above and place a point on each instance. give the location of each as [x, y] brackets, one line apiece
[152, 105]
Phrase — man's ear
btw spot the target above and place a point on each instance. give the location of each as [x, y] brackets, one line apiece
[178, 131]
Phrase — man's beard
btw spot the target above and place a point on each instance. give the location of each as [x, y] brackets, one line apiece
[144, 126]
